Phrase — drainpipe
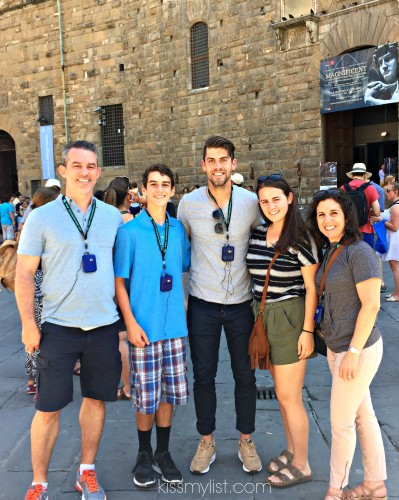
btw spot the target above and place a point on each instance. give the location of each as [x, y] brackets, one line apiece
[62, 70]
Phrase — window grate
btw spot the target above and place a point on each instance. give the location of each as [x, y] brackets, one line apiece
[265, 392]
[199, 56]
[112, 135]
[46, 110]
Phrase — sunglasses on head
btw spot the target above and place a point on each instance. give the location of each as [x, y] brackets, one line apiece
[325, 193]
[273, 177]
[218, 215]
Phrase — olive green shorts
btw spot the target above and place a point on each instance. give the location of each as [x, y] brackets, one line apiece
[284, 323]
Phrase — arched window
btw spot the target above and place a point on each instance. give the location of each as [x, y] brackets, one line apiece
[199, 56]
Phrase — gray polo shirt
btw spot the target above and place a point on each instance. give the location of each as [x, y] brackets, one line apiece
[71, 297]
[210, 278]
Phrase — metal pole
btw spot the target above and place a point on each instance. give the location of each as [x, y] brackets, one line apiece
[62, 71]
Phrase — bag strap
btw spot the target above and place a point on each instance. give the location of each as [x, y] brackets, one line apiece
[330, 262]
[362, 187]
[263, 301]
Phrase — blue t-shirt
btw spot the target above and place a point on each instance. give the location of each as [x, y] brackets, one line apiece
[5, 209]
[138, 258]
[381, 195]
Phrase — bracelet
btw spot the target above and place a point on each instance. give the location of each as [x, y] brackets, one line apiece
[307, 331]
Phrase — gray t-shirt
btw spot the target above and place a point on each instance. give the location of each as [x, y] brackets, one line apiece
[356, 263]
[72, 297]
[211, 278]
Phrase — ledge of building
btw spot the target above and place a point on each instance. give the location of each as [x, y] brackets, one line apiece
[310, 22]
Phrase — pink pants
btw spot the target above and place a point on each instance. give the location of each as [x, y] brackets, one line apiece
[351, 412]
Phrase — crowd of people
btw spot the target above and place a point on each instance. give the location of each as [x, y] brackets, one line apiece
[137, 324]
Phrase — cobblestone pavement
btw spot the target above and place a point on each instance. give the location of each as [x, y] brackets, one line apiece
[226, 478]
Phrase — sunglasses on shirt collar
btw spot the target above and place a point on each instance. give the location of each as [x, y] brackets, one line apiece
[218, 215]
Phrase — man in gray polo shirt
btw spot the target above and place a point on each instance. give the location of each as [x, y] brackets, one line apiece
[72, 239]
[219, 219]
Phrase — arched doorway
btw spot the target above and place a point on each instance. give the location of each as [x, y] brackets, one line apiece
[8, 165]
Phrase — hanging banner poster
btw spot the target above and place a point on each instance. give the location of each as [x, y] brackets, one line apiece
[328, 174]
[359, 79]
[47, 151]
[391, 167]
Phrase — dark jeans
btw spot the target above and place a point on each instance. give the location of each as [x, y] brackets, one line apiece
[205, 322]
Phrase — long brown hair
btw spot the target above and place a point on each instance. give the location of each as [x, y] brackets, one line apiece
[43, 195]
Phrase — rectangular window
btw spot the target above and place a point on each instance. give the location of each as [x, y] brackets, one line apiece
[34, 186]
[112, 135]
[46, 110]
[199, 56]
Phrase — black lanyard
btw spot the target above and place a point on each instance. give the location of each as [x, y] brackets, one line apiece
[163, 248]
[230, 208]
[75, 220]
[394, 203]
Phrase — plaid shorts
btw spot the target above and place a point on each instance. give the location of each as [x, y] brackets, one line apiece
[158, 375]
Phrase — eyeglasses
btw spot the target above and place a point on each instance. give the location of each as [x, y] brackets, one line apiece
[388, 190]
[273, 177]
[324, 193]
[218, 215]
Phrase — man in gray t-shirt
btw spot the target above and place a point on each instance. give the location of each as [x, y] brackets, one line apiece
[219, 220]
[71, 239]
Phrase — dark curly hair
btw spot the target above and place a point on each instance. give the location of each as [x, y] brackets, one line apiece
[162, 169]
[294, 229]
[351, 232]
[381, 50]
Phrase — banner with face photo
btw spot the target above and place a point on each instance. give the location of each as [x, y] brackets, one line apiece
[359, 79]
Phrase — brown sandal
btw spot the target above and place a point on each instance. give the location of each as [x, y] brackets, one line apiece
[333, 496]
[298, 477]
[122, 394]
[279, 463]
[362, 492]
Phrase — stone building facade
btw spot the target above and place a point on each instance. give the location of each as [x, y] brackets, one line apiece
[135, 56]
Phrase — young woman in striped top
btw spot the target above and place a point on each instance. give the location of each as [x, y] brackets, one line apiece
[289, 316]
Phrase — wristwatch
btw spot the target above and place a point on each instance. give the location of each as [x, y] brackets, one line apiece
[354, 350]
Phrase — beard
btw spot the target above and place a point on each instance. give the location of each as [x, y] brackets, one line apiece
[219, 182]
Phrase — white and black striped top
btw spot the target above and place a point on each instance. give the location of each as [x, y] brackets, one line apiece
[286, 279]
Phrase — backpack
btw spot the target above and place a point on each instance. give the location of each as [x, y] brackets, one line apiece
[359, 199]
[8, 264]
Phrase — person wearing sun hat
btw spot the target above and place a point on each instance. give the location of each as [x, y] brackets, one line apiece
[359, 176]
[237, 179]
[53, 183]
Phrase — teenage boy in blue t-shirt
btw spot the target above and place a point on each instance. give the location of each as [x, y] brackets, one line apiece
[152, 251]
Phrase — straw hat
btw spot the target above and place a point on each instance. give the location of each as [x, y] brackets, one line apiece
[359, 169]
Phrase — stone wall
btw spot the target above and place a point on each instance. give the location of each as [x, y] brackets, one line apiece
[263, 93]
